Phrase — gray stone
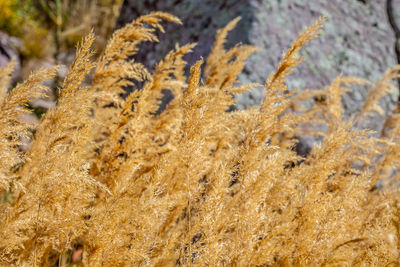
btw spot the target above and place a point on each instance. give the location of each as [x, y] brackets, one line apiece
[200, 18]
[8, 51]
[357, 40]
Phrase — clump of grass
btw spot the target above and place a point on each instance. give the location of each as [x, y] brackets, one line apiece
[192, 184]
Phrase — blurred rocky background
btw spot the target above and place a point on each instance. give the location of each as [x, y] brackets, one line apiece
[358, 38]
[361, 37]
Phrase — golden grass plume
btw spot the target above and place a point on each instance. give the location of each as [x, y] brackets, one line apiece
[193, 184]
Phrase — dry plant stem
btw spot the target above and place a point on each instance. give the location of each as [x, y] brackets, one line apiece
[193, 184]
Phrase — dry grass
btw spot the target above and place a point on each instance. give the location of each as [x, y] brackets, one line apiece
[193, 184]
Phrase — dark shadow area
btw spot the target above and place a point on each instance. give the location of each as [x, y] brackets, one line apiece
[201, 19]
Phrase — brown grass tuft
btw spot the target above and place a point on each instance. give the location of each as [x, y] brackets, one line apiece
[131, 184]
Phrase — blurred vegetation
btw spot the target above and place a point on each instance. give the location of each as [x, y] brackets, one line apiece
[21, 19]
[47, 27]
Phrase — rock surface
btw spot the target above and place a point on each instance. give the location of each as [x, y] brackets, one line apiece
[357, 40]
[200, 18]
[8, 51]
